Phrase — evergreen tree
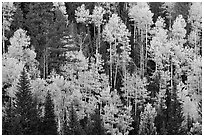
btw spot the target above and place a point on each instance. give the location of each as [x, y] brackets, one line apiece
[46, 25]
[18, 20]
[26, 111]
[98, 126]
[73, 124]
[9, 122]
[49, 122]
[175, 115]
[7, 15]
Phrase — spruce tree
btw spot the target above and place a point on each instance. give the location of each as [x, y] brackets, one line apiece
[25, 110]
[49, 122]
[98, 126]
[74, 127]
[8, 120]
[175, 115]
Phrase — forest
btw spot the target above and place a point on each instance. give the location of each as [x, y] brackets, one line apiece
[101, 68]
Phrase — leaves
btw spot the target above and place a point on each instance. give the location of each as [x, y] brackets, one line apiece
[147, 121]
[108, 90]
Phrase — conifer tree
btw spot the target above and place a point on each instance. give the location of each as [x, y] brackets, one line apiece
[9, 121]
[175, 115]
[74, 127]
[26, 111]
[96, 124]
[49, 122]
[7, 13]
[18, 19]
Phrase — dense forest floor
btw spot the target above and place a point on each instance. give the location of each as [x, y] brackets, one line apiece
[102, 68]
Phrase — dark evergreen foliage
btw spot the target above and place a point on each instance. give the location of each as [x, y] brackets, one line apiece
[9, 122]
[175, 115]
[74, 127]
[52, 35]
[96, 124]
[49, 121]
[25, 111]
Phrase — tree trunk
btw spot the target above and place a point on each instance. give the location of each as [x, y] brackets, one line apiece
[195, 44]
[116, 73]
[44, 64]
[171, 75]
[110, 66]
[136, 100]
[4, 48]
[145, 66]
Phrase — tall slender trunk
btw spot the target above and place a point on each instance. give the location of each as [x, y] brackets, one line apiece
[125, 77]
[46, 61]
[170, 21]
[116, 73]
[136, 100]
[134, 36]
[110, 66]
[126, 87]
[98, 44]
[44, 64]
[99, 35]
[171, 65]
[94, 31]
[4, 48]
[145, 66]
[115, 49]
[195, 44]
[142, 56]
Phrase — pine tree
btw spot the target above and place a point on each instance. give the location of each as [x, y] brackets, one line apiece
[98, 126]
[9, 121]
[26, 110]
[7, 14]
[39, 23]
[49, 122]
[18, 19]
[73, 123]
[175, 115]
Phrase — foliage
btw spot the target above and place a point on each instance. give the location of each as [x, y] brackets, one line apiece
[26, 111]
[96, 126]
[195, 16]
[117, 119]
[196, 129]
[147, 121]
[74, 125]
[82, 15]
[175, 114]
[102, 68]
[141, 15]
[49, 121]
[8, 10]
[97, 16]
